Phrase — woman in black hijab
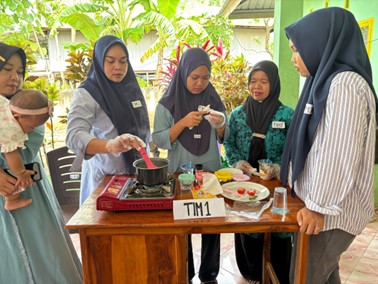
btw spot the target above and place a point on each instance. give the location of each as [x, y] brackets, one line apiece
[328, 157]
[258, 131]
[108, 116]
[192, 136]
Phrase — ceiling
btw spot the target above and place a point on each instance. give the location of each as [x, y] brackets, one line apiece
[247, 9]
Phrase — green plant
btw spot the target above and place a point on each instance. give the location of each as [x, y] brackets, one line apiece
[229, 77]
[79, 59]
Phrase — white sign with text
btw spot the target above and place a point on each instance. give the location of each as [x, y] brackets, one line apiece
[198, 208]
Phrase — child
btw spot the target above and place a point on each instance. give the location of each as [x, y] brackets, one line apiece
[20, 115]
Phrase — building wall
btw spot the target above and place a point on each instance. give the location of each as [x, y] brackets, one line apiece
[249, 41]
[362, 10]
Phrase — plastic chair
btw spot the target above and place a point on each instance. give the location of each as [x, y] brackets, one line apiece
[66, 183]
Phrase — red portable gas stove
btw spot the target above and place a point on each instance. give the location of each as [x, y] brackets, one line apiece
[126, 194]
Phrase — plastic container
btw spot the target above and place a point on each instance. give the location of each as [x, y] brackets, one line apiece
[223, 175]
[186, 181]
[198, 168]
[199, 177]
[187, 168]
[279, 201]
[264, 165]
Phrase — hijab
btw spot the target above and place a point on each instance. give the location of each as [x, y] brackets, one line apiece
[6, 52]
[122, 102]
[329, 41]
[260, 114]
[180, 101]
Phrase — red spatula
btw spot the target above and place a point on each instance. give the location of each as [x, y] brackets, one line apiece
[147, 159]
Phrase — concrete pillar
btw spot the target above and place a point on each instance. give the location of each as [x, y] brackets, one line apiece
[285, 13]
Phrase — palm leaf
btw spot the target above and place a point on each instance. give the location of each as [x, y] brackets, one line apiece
[160, 43]
[83, 8]
[168, 7]
[83, 23]
[162, 24]
[186, 27]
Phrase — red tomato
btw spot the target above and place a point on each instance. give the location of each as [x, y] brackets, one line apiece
[251, 192]
[241, 190]
[196, 187]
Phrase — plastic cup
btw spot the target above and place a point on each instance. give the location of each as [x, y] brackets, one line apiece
[199, 177]
[186, 181]
[280, 201]
[187, 168]
[264, 165]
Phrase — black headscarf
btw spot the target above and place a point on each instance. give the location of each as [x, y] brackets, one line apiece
[179, 101]
[260, 114]
[6, 52]
[116, 99]
[329, 41]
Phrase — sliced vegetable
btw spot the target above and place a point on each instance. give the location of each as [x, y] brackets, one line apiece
[241, 190]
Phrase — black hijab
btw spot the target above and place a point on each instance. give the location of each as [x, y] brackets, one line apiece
[179, 101]
[118, 100]
[6, 52]
[260, 114]
[329, 41]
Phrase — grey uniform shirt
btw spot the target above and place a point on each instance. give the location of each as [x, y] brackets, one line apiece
[87, 121]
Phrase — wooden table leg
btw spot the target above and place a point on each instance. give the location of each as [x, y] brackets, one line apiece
[266, 259]
[268, 274]
[301, 258]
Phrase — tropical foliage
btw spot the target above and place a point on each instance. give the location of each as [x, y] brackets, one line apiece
[31, 24]
[229, 77]
[131, 20]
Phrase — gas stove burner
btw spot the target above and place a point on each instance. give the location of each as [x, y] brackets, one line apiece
[160, 188]
[134, 190]
[149, 189]
[126, 193]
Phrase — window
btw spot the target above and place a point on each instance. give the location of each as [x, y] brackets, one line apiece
[367, 32]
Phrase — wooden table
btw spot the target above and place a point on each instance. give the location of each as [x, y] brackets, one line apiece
[150, 247]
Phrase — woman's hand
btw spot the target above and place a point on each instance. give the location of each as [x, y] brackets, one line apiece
[272, 172]
[310, 222]
[245, 167]
[124, 143]
[193, 119]
[24, 179]
[216, 119]
[7, 183]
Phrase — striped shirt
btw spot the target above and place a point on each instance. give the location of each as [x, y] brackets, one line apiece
[337, 179]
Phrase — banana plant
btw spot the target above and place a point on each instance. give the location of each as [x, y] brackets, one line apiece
[104, 17]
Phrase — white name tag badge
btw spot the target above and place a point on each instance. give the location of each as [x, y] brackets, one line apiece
[198, 208]
[308, 109]
[136, 104]
[278, 124]
[197, 136]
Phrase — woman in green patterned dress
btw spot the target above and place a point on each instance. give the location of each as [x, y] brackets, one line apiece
[258, 130]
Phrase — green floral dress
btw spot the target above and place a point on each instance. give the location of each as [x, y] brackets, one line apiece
[237, 144]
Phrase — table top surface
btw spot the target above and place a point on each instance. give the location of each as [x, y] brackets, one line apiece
[88, 217]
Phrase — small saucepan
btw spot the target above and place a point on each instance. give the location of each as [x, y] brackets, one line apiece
[151, 177]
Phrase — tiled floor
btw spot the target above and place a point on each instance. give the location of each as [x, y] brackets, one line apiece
[358, 265]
